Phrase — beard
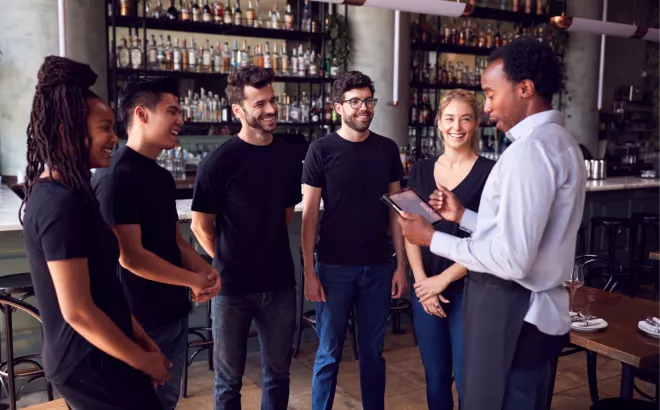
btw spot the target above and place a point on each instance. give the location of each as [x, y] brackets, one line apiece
[255, 122]
[353, 123]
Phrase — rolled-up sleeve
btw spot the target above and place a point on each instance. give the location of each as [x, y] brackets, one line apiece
[529, 183]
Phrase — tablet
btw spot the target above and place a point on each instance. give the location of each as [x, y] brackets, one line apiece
[409, 201]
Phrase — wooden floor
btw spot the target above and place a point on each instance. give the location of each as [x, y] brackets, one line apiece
[405, 382]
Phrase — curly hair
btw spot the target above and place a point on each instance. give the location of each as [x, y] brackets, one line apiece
[143, 92]
[60, 100]
[251, 75]
[348, 81]
[464, 96]
[526, 58]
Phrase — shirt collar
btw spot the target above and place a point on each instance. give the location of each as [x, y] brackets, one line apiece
[525, 127]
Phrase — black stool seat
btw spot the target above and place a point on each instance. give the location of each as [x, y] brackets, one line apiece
[624, 404]
[610, 220]
[646, 216]
[17, 283]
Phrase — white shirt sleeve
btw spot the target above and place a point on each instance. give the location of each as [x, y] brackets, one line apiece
[469, 221]
[527, 191]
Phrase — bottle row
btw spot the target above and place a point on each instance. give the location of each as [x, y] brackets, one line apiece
[211, 108]
[538, 7]
[219, 13]
[445, 72]
[461, 32]
[187, 56]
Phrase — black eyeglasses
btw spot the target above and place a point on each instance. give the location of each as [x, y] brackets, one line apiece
[356, 103]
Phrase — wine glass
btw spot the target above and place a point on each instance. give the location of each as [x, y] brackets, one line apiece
[576, 280]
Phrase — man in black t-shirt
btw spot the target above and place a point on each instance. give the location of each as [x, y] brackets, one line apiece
[137, 199]
[351, 169]
[244, 198]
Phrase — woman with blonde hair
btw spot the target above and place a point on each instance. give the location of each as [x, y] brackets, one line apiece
[439, 281]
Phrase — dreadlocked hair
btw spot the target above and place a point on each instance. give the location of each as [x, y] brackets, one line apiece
[60, 100]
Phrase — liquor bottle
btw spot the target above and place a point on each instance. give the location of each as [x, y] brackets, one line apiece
[153, 53]
[516, 5]
[185, 11]
[207, 57]
[334, 68]
[123, 54]
[160, 56]
[224, 109]
[229, 14]
[287, 109]
[528, 6]
[196, 12]
[444, 74]
[294, 61]
[275, 57]
[249, 14]
[219, 14]
[207, 13]
[217, 58]
[268, 59]
[315, 114]
[303, 61]
[172, 12]
[490, 39]
[185, 60]
[285, 60]
[426, 74]
[469, 34]
[125, 8]
[274, 16]
[504, 4]
[306, 18]
[260, 57]
[327, 111]
[235, 57]
[246, 55]
[539, 7]
[306, 108]
[295, 112]
[498, 38]
[158, 12]
[225, 59]
[169, 54]
[462, 41]
[192, 56]
[313, 64]
[257, 20]
[288, 18]
[413, 111]
[177, 56]
[238, 14]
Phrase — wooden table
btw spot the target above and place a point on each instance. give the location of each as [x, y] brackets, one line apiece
[621, 340]
[655, 256]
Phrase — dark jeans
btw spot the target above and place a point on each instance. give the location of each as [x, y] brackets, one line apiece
[441, 346]
[368, 288]
[172, 340]
[274, 313]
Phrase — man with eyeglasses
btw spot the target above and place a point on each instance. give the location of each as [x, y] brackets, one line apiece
[350, 170]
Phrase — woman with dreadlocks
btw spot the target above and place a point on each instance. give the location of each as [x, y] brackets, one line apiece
[95, 354]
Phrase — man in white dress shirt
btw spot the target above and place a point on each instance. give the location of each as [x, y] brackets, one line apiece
[523, 239]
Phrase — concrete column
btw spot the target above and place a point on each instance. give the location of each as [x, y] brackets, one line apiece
[28, 34]
[372, 36]
[581, 88]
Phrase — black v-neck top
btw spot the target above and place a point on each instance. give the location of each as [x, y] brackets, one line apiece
[468, 192]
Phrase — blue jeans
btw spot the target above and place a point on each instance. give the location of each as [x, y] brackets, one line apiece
[368, 289]
[274, 313]
[172, 340]
[441, 346]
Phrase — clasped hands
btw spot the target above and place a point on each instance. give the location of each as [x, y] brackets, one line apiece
[417, 230]
[207, 285]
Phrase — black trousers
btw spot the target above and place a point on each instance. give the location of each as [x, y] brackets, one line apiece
[500, 348]
[101, 382]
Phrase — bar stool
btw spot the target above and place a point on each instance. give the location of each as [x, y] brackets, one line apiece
[613, 228]
[18, 284]
[645, 226]
[307, 319]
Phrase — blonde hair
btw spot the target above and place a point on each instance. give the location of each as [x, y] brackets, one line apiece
[464, 96]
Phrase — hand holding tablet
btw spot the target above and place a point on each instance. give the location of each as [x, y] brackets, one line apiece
[409, 201]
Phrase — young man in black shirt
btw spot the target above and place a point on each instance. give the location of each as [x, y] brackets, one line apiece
[244, 198]
[137, 199]
[351, 169]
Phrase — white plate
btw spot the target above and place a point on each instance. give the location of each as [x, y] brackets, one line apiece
[592, 328]
[649, 334]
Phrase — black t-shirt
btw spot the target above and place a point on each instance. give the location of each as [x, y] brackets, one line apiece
[60, 225]
[468, 192]
[354, 229]
[248, 187]
[135, 190]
